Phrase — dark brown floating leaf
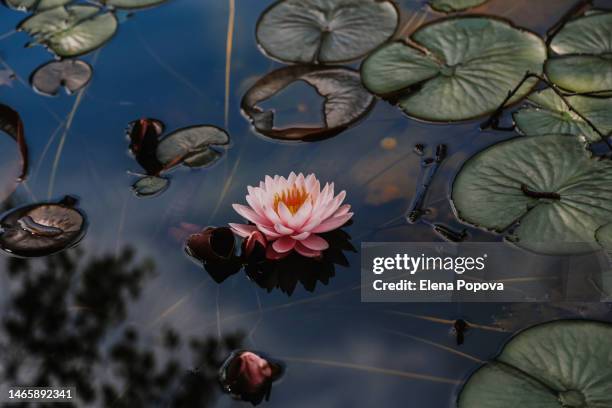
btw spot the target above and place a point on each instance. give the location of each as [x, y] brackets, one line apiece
[144, 137]
[70, 74]
[11, 124]
[248, 375]
[346, 101]
[42, 229]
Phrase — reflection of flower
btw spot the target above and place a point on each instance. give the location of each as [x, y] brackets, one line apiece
[290, 212]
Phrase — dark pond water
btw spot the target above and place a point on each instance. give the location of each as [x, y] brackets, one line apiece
[94, 317]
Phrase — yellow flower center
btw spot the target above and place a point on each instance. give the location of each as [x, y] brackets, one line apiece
[292, 197]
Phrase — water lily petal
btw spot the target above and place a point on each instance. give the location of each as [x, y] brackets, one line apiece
[304, 251]
[332, 223]
[250, 215]
[284, 213]
[284, 244]
[242, 230]
[342, 210]
[269, 233]
[301, 216]
[315, 242]
[299, 237]
[281, 229]
[273, 255]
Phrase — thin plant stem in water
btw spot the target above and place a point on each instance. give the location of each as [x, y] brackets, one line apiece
[228, 58]
[437, 345]
[447, 321]
[376, 370]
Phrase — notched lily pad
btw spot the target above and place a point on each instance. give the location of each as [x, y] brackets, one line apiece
[582, 55]
[72, 30]
[549, 114]
[35, 5]
[563, 364]
[325, 31]
[346, 101]
[450, 6]
[549, 187]
[42, 229]
[150, 186]
[132, 4]
[192, 146]
[11, 124]
[455, 69]
[70, 74]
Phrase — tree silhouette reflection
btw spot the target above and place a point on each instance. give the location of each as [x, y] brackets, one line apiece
[60, 325]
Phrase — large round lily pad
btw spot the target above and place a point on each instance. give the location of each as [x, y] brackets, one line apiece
[455, 69]
[549, 114]
[563, 364]
[549, 188]
[346, 101]
[325, 31]
[70, 74]
[449, 6]
[191, 146]
[42, 229]
[72, 30]
[132, 4]
[582, 54]
[35, 5]
[604, 236]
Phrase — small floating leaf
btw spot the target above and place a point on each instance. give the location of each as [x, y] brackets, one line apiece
[563, 364]
[549, 114]
[70, 74]
[582, 59]
[458, 69]
[35, 5]
[551, 185]
[449, 6]
[72, 30]
[42, 229]
[132, 4]
[346, 101]
[191, 146]
[11, 124]
[330, 31]
[150, 186]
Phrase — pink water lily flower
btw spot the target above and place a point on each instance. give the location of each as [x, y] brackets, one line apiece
[290, 212]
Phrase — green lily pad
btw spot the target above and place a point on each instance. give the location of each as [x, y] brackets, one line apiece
[325, 31]
[72, 30]
[449, 6]
[549, 114]
[191, 146]
[456, 68]
[604, 236]
[70, 74]
[346, 101]
[132, 4]
[150, 185]
[35, 5]
[550, 186]
[563, 364]
[582, 55]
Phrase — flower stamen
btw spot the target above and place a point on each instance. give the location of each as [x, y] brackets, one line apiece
[293, 198]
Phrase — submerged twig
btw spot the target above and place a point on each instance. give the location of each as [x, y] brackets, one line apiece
[577, 10]
[416, 208]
